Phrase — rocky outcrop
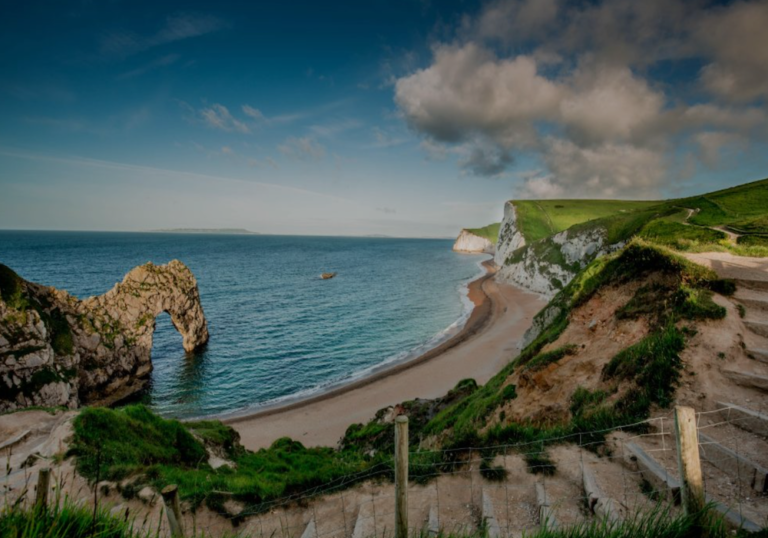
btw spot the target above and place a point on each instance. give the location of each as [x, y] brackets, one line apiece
[547, 265]
[510, 236]
[56, 350]
[469, 242]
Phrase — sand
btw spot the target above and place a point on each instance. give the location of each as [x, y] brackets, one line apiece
[488, 341]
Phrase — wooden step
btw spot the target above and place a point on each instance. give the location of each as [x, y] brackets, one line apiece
[656, 472]
[662, 482]
[492, 528]
[735, 464]
[758, 327]
[760, 285]
[752, 300]
[744, 418]
[601, 505]
[546, 513]
[15, 440]
[364, 524]
[734, 518]
[310, 531]
[743, 379]
[433, 524]
[758, 354]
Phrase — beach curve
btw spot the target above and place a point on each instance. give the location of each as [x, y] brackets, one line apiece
[487, 342]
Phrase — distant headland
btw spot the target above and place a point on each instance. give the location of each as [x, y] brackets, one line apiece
[228, 231]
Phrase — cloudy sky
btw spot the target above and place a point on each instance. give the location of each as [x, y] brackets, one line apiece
[399, 117]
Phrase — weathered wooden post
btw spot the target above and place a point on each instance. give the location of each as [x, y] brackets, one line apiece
[401, 477]
[43, 481]
[173, 510]
[691, 482]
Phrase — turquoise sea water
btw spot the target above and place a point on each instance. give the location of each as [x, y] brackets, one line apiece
[277, 330]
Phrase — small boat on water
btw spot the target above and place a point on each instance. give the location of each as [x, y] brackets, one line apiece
[326, 276]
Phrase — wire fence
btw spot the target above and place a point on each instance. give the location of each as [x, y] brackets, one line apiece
[504, 489]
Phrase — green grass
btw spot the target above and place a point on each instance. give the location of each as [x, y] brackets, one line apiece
[132, 442]
[65, 519]
[541, 218]
[490, 232]
[737, 205]
[756, 225]
[680, 236]
[753, 241]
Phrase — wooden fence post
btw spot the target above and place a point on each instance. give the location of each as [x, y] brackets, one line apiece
[691, 482]
[401, 477]
[43, 481]
[173, 510]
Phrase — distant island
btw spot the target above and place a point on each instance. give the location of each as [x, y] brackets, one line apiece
[229, 231]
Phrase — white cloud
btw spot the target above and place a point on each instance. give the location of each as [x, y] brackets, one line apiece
[735, 37]
[609, 103]
[253, 113]
[469, 90]
[584, 96]
[163, 61]
[302, 149]
[218, 116]
[123, 43]
[606, 171]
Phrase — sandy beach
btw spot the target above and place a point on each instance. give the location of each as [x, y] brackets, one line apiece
[487, 342]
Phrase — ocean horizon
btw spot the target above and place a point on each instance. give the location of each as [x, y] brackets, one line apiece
[278, 332]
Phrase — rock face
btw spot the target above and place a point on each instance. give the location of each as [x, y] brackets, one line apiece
[56, 350]
[510, 236]
[547, 265]
[469, 242]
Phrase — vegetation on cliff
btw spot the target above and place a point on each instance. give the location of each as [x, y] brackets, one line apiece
[490, 232]
[541, 218]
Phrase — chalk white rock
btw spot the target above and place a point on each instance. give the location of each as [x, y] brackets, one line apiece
[469, 242]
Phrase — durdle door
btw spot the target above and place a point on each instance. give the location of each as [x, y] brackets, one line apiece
[56, 350]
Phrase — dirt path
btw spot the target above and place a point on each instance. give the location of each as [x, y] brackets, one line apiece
[731, 266]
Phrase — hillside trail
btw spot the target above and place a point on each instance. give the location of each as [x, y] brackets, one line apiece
[732, 237]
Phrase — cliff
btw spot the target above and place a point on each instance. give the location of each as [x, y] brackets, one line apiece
[469, 242]
[542, 255]
[56, 350]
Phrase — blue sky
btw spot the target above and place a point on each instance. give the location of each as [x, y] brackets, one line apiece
[399, 117]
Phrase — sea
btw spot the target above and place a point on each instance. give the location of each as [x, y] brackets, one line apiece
[278, 331]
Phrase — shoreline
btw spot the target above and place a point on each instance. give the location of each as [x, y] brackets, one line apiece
[478, 317]
[486, 343]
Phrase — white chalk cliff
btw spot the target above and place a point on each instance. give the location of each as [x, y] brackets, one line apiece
[547, 265]
[469, 242]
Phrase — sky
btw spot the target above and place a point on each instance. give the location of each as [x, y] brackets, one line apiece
[409, 118]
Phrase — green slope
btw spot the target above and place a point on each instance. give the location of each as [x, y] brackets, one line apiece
[490, 232]
[541, 218]
[744, 207]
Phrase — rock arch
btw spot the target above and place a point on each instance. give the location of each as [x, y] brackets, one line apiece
[116, 329]
[58, 350]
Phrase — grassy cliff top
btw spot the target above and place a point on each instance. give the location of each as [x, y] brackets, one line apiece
[541, 218]
[490, 232]
[743, 208]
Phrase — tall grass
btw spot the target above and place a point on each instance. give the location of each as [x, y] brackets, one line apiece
[65, 520]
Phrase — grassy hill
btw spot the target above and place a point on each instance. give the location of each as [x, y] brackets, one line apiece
[490, 232]
[686, 224]
[743, 208]
[541, 218]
